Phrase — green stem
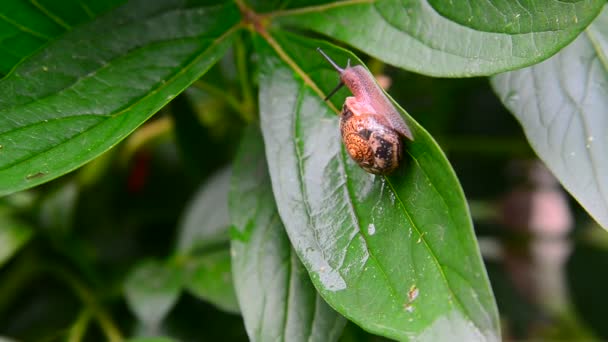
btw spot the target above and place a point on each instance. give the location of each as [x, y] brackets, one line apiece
[79, 328]
[16, 279]
[217, 92]
[240, 56]
[106, 323]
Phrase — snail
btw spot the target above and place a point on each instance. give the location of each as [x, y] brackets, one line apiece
[371, 128]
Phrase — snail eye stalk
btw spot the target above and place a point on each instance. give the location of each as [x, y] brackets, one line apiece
[331, 93]
[331, 61]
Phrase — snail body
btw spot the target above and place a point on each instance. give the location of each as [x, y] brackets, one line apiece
[372, 129]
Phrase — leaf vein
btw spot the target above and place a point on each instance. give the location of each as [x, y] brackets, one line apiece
[423, 239]
[150, 93]
[24, 28]
[56, 19]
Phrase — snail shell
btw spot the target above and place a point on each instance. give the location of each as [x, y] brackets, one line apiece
[372, 129]
[370, 143]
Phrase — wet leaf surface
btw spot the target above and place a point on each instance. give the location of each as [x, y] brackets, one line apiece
[440, 38]
[89, 89]
[396, 255]
[277, 299]
[561, 105]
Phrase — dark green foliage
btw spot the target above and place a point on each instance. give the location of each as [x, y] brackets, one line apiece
[214, 199]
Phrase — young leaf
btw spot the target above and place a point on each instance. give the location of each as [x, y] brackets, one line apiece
[561, 104]
[152, 289]
[396, 255]
[450, 38]
[277, 299]
[205, 221]
[203, 229]
[87, 90]
[13, 236]
[25, 26]
[209, 277]
[57, 209]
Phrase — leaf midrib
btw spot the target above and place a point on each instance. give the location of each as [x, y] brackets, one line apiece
[313, 85]
[147, 95]
[579, 112]
[425, 242]
[54, 18]
[330, 6]
[91, 75]
[24, 29]
[106, 63]
[282, 54]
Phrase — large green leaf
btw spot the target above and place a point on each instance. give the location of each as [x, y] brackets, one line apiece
[25, 25]
[562, 105]
[89, 89]
[277, 299]
[397, 255]
[450, 38]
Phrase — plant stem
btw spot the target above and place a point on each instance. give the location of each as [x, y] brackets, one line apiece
[79, 328]
[106, 323]
[15, 280]
[240, 56]
[217, 92]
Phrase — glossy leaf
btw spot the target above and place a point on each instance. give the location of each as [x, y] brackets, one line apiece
[440, 38]
[89, 89]
[396, 255]
[505, 16]
[206, 221]
[209, 277]
[151, 290]
[25, 26]
[561, 104]
[277, 299]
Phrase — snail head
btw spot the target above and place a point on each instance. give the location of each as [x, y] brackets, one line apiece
[340, 70]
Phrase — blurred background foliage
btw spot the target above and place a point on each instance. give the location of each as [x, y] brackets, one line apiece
[114, 250]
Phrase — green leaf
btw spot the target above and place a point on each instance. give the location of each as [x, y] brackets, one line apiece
[151, 290]
[396, 255]
[25, 26]
[506, 16]
[562, 104]
[209, 277]
[205, 221]
[450, 38]
[13, 235]
[277, 299]
[57, 208]
[203, 229]
[92, 87]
